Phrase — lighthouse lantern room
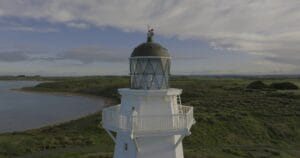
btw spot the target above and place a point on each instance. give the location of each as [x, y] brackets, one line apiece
[150, 122]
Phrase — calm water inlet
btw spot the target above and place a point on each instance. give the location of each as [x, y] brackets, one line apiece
[25, 110]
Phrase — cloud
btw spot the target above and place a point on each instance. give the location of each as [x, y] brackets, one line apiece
[13, 56]
[29, 29]
[78, 25]
[291, 60]
[11, 24]
[260, 27]
[85, 55]
[20, 53]
[90, 54]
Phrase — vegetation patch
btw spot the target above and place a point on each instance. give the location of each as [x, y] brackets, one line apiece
[284, 86]
[257, 85]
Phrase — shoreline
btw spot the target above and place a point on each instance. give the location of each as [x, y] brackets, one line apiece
[106, 102]
[29, 90]
[52, 125]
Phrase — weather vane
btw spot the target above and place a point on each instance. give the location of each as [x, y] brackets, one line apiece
[150, 34]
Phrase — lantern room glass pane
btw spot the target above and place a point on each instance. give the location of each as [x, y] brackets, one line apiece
[149, 73]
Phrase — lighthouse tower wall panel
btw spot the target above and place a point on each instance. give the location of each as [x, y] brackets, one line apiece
[125, 147]
[149, 103]
[154, 147]
[148, 147]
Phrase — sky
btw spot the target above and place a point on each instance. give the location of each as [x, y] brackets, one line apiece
[96, 37]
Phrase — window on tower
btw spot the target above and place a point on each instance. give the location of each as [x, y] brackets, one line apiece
[125, 147]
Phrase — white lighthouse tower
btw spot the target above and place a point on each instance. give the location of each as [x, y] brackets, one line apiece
[150, 122]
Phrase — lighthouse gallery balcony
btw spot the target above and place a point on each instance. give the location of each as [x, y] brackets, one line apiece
[149, 125]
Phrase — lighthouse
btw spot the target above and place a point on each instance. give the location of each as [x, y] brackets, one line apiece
[150, 121]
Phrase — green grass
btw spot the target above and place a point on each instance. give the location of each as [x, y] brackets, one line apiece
[231, 122]
[71, 139]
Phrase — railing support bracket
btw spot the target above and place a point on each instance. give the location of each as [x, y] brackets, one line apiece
[179, 140]
[111, 135]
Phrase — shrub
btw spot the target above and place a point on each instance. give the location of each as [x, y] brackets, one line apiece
[284, 86]
[257, 85]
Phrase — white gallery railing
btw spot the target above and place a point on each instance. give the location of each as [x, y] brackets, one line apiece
[114, 120]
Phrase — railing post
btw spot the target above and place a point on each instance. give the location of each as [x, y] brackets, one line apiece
[133, 122]
[130, 125]
[186, 120]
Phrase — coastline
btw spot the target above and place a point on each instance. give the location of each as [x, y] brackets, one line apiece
[107, 101]
[32, 90]
[83, 132]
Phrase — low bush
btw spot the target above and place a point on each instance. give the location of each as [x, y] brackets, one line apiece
[284, 86]
[257, 85]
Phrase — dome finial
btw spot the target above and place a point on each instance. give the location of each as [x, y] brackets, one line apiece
[150, 34]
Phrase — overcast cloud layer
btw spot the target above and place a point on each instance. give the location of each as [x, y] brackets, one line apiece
[267, 28]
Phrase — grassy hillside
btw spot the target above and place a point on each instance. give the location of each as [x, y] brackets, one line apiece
[231, 121]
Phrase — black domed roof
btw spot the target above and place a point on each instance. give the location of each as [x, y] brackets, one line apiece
[150, 49]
